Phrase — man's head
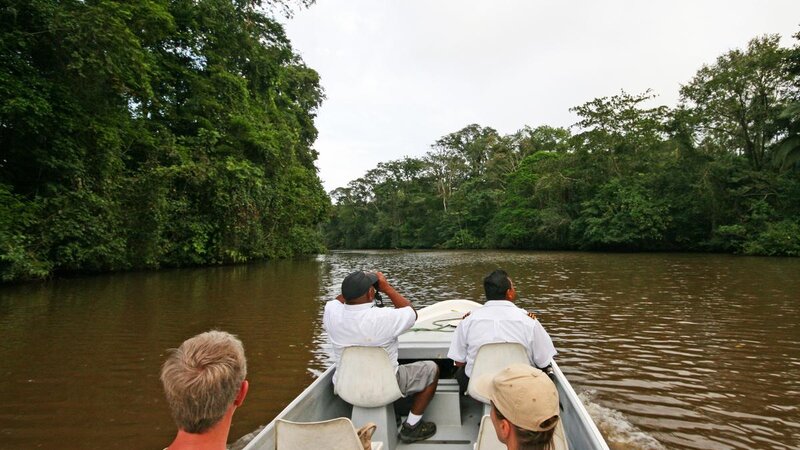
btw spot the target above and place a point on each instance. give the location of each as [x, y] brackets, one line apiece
[203, 379]
[498, 286]
[524, 405]
[357, 285]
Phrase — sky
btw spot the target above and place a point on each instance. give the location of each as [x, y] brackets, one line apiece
[398, 75]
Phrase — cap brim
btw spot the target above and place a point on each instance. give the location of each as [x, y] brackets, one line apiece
[371, 276]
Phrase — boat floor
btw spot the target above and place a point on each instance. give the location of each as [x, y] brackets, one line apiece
[453, 436]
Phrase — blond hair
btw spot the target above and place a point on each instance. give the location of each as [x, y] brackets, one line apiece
[202, 377]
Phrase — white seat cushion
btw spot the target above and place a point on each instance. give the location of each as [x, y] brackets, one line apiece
[334, 434]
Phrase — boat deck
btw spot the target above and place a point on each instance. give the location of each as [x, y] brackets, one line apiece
[455, 436]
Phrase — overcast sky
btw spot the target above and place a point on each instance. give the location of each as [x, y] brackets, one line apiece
[398, 75]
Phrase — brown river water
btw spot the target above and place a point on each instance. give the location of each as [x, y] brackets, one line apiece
[668, 351]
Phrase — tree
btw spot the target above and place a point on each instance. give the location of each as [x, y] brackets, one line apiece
[737, 100]
[622, 216]
[141, 134]
[620, 123]
[447, 168]
[787, 152]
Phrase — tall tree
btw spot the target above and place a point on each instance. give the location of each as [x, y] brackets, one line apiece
[737, 100]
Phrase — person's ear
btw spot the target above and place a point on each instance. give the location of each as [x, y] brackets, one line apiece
[511, 293]
[242, 394]
[503, 430]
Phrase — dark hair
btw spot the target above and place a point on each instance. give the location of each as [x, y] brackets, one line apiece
[496, 284]
[527, 439]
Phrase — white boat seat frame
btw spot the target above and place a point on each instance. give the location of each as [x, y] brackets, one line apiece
[334, 434]
[366, 379]
[487, 437]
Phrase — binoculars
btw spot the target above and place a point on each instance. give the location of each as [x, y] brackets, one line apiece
[378, 298]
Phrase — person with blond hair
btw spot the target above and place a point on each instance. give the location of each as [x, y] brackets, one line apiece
[204, 382]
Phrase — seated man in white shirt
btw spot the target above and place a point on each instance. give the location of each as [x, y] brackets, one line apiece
[498, 320]
[351, 320]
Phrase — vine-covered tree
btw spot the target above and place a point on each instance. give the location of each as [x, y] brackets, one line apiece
[149, 133]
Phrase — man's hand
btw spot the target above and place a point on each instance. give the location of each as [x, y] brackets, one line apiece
[383, 285]
[397, 300]
[550, 372]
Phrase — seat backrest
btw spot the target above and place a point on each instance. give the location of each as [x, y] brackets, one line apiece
[487, 438]
[365, 377]
[492, 358]
[334, 434]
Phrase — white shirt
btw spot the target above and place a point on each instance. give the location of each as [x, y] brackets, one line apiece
[363, 325]
[500, 321]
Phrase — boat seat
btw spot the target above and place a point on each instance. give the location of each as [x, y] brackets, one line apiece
[487, 437]
[492, 358]
[334, 434]
[366, 379]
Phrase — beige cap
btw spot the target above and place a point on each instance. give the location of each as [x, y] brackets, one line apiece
[523, 394]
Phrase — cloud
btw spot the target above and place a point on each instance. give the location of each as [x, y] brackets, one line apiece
[399, 75]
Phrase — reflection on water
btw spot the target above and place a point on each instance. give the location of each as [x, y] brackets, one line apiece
[667, 350]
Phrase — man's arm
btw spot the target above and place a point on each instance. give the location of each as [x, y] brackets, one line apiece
[542, 345]
[458, 348]
[397, 299]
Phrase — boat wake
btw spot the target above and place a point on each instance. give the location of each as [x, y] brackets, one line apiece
[618, 431]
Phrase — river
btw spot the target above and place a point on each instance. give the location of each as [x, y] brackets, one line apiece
[678, 351]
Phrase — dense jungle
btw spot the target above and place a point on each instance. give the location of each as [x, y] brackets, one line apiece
[156, 133]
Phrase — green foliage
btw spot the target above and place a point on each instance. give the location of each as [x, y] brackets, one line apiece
[622, 217]
[719, 173]
[18, 256]
[152, 133]
[533, 214]
[737, 101]
[777, 238]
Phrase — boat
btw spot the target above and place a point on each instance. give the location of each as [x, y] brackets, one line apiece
[458, 417]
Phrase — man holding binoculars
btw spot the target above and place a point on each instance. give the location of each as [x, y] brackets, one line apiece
[351, 320]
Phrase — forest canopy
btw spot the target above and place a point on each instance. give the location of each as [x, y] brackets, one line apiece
[719, 172]
[153, 133]
[164, 133]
